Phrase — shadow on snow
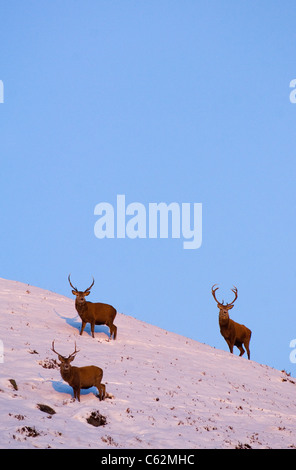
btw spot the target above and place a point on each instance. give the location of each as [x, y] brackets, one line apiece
[62, 387]
[75, 322]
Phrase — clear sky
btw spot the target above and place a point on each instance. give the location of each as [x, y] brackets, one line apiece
[182, 101]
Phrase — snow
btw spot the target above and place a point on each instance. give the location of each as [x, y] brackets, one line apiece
[165, 391]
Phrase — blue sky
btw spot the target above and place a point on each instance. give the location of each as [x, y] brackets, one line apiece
[161, 101]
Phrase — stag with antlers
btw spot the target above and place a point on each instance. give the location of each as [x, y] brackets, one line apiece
[93, 313]
[234, 333]
[80, 377]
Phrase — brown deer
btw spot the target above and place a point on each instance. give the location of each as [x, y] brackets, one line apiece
[93, 313]
[80, 377]
[234, 333]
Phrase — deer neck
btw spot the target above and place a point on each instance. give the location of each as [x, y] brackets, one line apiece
[223, 319]
[81, 307]
[67, 375]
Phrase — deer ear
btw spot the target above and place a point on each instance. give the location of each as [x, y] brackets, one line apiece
[86, 293]
[72, 358]
[74, 292]
[229, 307]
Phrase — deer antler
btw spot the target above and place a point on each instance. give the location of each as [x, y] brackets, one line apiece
[234, 290]
[52, 348]
[214, 292]
[75, 352]
[89, 288]
[75, 288]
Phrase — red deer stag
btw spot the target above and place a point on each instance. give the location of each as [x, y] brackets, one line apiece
[80, 377]
[93, 313]
[233, 333]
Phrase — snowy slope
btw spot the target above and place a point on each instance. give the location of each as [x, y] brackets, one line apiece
[167, 391]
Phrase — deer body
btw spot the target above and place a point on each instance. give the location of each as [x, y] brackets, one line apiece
[84, 377]
[94, 313]
[234, 333]
[80, 377]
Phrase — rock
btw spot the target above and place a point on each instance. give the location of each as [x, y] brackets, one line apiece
[96, 419]
[46, 409]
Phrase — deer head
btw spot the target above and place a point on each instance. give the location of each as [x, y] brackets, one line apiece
[65, 365]
[80, 295]
[223, 313]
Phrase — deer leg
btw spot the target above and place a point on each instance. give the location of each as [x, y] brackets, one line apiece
[78, 394]
[246, 344]
[114, 331]
[102, 391]
[230, 345]
[248, 352]
[82, 327]
[93, 329]
[242, 351]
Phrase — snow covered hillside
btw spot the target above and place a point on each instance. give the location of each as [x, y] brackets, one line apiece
[166, 391]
